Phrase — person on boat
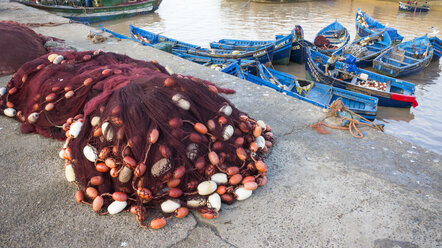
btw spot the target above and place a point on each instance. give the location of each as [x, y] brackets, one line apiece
[409, 2]
[425, 4]
[330, 66]
[299, 33]
[415, 3]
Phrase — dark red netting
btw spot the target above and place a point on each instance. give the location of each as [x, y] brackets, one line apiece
[138, 137]
[323, 43]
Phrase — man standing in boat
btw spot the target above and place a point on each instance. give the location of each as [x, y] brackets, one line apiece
[330, 66]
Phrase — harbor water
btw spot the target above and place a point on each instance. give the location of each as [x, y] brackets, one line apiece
[201, 21]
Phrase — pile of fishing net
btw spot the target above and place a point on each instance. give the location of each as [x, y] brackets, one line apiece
[19, 44]
[356, 50]
[139, 138]
[323, 43]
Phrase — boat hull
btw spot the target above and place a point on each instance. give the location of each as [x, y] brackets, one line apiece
[411, 8]
[97, 14]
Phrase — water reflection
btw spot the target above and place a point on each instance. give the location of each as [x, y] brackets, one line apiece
[202, 21]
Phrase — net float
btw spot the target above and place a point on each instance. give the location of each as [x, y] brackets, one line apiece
[180, 102]
[119, 196]
[222, 120]
[130, 161]
[125, 174]
[50, 97]
[67, 154]
[200, 163]
[257, 131]
[219, 178]
[235, 179]
[58, 59]
[106, 72]
[87, 81]
[52, 57]
[50, 106]
[104, 153]
[196, 202]
[213, 158]
[179, 172]
[70, 120]
[61, 153]
[260, 166]
[161, 167]
[212, 89]
[87, 57]
[97, 180]
[153, 136]
[97, 203]
[174, 182]
[69, 94]
[35, 107]
[169, 70]
[221, 190]
[33, 117]
[134, 209]
[40, 66]
[175, 123]
[195, 138]
[97, 132]
[91, 192]
[244, 127]
[200, 128]
[140, 170]
[175, 192]
[169, 206]
[12, 91]
[227, 198]
[2, 91]
[69, 173]
[24, 78]
[242, 193]
[253, 147]
[158, 223]
[211, 124]
[210, 170]
[169, 82]
[250, 185]
[265, 150]
[144, 193]
[116, 207]
[181, 212]
[248, 179]
[214, 201]
[262, 124]
[191, 185]
[226, 109]
[107, 131]
[261, 142]
[79, 196]
[261, 181]
[208, 215]
[90, 152]
[120, 134]
[268, 135]
[165, 151]
[241, 153]
[95, 121]
[218, 145]
[114, 172]
[192, 151]
[75, 129]
[207, 187]
[232, 170]
[239, 141]
[227, 132]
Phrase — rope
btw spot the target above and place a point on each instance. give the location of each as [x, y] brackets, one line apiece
[338, 106]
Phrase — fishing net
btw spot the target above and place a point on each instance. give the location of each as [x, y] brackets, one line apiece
[139, 138]
[19, 44]
[323, 43]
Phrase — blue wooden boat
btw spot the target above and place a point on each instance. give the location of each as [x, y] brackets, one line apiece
[297, 53]
[437, 47]
[366, 25]
[263, 55]
[391, 92]
[413, 8]
[315, 93]
[336, 34]
[104, 10]
[281, 55]
[366, 49]
[406, 58]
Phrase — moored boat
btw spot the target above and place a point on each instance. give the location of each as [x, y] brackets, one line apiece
[366, 25]
[366, 49]
[391, 92]
[145, 37]
[281, 55]
[105, 11]
[413, 8]
[331, 38]
[312, 92]
[437, 47]
[406, 58]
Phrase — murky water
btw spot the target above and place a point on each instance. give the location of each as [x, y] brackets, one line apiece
[202, 21]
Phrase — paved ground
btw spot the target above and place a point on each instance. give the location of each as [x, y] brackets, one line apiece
[323, 191]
